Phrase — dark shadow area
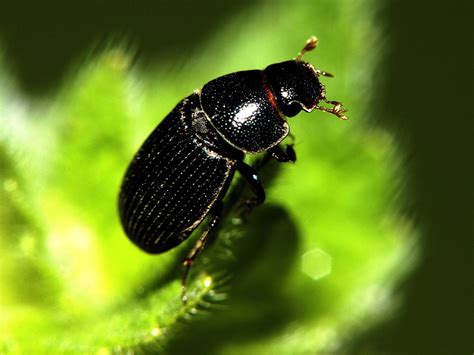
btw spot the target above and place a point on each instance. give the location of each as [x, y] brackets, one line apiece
[254, 276]
[421, 96]
[43, 40]
[256, 306]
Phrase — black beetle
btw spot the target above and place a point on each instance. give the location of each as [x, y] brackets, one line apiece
[183, 170]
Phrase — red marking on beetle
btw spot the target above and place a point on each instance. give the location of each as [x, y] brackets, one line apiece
[271, 97]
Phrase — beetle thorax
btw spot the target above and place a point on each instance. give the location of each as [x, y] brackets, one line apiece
[239, 107]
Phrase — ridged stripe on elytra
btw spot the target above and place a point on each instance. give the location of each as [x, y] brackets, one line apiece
[195, 219]
[190, 191]
[142, 188]
[171, 227]
[156, 144]
[197, 199]
[155, 174]
[146, 193]
[189, 203]
[138, 181]
[177, 204]
[183, 157]
[147, 165]
[186, 162]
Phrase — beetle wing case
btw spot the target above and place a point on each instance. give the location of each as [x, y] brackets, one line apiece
[172, 183]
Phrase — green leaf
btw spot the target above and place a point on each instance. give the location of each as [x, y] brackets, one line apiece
[305, 273]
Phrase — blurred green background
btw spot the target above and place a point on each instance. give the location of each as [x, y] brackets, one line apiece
[363, 245]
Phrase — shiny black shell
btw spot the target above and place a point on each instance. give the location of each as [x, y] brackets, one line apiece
[174, 180]
[185, 166]
[242, 109]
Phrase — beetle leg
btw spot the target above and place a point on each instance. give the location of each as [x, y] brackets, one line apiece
[249, 174]
[198, 247]
[283, 156]
[337, 109]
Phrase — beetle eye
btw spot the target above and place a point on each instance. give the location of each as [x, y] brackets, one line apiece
[292, 109]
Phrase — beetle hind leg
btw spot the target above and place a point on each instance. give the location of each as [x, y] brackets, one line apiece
[198, 247]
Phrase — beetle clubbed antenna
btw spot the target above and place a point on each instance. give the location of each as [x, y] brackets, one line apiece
[311, 44]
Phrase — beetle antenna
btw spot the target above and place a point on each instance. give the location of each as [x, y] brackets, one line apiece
[337, 109]
[311, 44]
[323, 73]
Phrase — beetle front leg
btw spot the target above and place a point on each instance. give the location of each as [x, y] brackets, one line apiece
[198, 247]
[249, 174]
[283, 156]
[337, 109]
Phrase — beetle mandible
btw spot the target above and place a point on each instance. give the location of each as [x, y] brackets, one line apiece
[182, 171]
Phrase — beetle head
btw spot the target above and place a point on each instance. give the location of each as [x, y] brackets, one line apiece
[295, 85]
